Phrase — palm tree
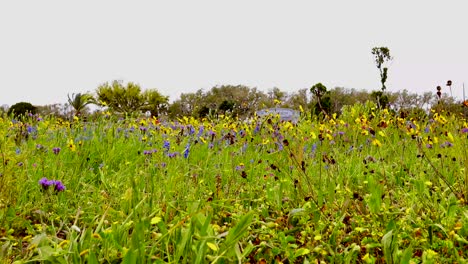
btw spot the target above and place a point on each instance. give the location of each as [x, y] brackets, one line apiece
[79, 101]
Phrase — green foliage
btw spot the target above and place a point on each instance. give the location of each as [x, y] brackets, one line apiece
[129, 98]
[21, 109]
[382, 57]
[323, 101]
[79, 102]
[380, 98]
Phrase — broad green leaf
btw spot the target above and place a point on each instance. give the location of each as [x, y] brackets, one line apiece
[212, 246]
[301, 252]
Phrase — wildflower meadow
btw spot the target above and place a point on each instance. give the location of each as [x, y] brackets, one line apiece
[367, 186]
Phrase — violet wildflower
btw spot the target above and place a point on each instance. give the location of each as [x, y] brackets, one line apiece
[200, 131]
[187, 151]
[464, 130]
[172, 154]
[447, 144]
[166, 145]
[45, 183]
[314, 147]
[59, 186]
[56, 150]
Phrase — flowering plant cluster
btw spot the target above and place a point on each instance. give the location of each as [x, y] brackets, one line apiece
[46, 183]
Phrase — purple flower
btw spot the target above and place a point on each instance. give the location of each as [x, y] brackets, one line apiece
[172, 154]
[45, 183]
[447, 144]
[464, 130]
[187, 151]
[341, 133]
[166, 145]
[59, 186]
[314, 147]
[56, 150]
[200, 131]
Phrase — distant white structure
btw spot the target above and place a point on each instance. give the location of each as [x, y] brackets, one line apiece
[285, 114]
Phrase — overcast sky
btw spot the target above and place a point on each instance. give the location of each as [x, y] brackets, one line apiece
[49, 49]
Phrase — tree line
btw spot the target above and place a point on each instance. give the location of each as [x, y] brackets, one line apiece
[243, 101]
[236, 100]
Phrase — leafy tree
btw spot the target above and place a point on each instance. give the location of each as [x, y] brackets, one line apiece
[21, 109]
[382, 57]
[79, 102]
[130, 99]
[323, 100]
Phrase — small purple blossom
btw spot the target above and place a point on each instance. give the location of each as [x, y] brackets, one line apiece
[166, 145]
[45, 183]
[446, 144]
[464, 130]
[187, 151]
[314, 147]
[58, 185]
[172, 154]
[56, 150]
[239, 167]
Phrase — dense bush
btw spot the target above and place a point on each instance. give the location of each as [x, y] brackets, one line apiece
[21, 109]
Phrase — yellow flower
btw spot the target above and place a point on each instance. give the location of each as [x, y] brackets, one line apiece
[313, 135]
[376, 142]
[71, 145]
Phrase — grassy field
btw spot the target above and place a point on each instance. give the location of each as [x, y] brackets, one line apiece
[366, 187]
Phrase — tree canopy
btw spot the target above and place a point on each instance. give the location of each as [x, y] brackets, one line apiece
[130, 98]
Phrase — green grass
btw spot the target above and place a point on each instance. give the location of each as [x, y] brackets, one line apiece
[365, 187]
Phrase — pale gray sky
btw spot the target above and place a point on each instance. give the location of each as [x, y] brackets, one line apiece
[49, 49]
